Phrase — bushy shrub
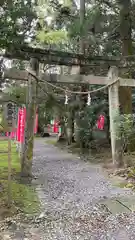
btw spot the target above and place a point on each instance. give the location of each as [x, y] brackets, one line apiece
[86, 121]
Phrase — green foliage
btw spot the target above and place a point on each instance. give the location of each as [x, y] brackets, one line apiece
[15, 93]
[50, 108]
[52, 37]
[15, 21]
[18, 94]
[86, 123]
[129, 185]
[101, 28]
[44, 115]
[131, 173]
[126, 131]
[19, 64]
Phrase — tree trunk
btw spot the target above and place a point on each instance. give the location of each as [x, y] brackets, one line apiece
[82, 18]
[70, 121]
[27, 155]
[62, 125]
[125, 93]
[70, 128]
[125, 31]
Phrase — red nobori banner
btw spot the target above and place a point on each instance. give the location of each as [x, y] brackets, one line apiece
[36, 124]
[21, 124]
[11, 134]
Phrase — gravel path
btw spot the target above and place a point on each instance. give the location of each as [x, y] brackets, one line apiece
[70, 191]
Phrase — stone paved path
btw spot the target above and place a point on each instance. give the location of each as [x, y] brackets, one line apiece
[70, 191]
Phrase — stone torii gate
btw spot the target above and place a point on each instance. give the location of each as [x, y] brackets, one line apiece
[49, 56]
[112, 82]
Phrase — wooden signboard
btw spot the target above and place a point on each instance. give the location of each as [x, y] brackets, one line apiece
[9, 114]
[10, 120]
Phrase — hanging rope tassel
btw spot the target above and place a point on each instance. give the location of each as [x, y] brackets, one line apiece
[89, 99]
[66, 99]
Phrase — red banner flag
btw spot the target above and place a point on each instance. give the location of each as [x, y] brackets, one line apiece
[12, 134]
[101, 122]
[36, 124]
[21, 124]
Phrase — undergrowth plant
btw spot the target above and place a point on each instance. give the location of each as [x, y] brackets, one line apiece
[86, 123]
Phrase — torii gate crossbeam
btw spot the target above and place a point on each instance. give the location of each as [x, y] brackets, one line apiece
[57, 57]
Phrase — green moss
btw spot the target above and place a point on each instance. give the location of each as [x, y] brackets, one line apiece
[4, 160]
[51, 141]
[129, 185]
[30, 150]
[23, 195]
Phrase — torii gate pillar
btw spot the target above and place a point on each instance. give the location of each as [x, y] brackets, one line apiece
[114, 115]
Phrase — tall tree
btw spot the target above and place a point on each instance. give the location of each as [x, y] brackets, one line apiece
[127, 50]
[16, 18]
[27, 154]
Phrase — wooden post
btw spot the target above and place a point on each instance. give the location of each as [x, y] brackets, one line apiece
[27, 155]
[9, 171]
[115, 117]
